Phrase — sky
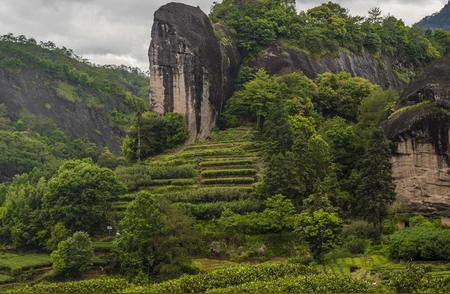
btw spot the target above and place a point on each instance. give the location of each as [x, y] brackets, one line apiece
[118, 31]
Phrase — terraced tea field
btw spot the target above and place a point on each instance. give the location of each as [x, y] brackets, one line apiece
[204, 178]
[13, 266]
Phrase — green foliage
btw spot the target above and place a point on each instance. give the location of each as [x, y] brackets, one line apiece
[156, 239]
[420, 242]
[327, 28]
[73, 256]
[415, 279]
[278, 216]
[320, 229]
[215, 209]
[376, 188]
[107, 159]
[81, 189]
[59, 233]
[100, 286]
[142, 175]
[321, 283]
[341, 94]
[228, 172]
[152, 134]
[224, 278]
[209, 195]
[20, 152]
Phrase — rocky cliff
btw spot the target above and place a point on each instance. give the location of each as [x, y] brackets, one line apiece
[421, 132]
[377, 70]
[191, 70]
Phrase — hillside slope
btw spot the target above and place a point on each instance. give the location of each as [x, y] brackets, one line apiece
[54, 85]
[439, 20]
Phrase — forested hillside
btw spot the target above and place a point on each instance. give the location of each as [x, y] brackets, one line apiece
[54, 105]
[439, 20]
[293, 191]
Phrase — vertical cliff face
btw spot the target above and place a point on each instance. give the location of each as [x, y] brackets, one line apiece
[377, 70]
[190, 71]
[421, 131]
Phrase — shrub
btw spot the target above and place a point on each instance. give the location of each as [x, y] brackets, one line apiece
[142, 175]
[73, 256]
[96, 286]
[209, 195]
[224, 278]
[321, 283]
[215, 209]
[228, 172]
[420, 243]
[228, 181]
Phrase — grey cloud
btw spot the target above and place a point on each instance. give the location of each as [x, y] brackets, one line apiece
[118, 31]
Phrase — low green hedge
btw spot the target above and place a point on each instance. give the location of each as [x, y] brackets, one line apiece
[209, 194]
[321, 283]
[229, 181]
[215, 209]
[142, 175]
[225, 162]
[96, 286]
[228, 172]
[224, 278]
[420, 243]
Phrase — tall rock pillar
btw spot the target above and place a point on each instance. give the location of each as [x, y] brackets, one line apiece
[187, 68]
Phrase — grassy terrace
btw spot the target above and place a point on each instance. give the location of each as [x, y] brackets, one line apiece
[13, 265]
[205, 178]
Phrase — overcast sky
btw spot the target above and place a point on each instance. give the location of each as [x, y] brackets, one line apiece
[118, 31]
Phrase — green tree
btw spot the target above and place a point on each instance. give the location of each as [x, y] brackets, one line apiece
[340, 94]
[320, 229]
[73, 256]
[277, 131]
[253, 102]
[376, 189]
[59, 233]
[107, 159]
[80, 196]
[152, 134]
[155, 238]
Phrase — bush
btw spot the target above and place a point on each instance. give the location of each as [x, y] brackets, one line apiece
[420, 243]
[209, 195]
[355, 245]
[229, 181]
[224, 278]
[142, 175]
[321, 283]
[73, 256]
[152, 134]
[414, 279]
[215, 209]
[228, 172]
[96, 286]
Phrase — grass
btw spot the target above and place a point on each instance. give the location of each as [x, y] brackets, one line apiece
[15, 262]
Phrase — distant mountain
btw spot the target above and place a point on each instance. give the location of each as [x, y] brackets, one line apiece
[439, 20]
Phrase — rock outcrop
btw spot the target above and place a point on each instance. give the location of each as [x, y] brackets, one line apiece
[380, 71]
[421, 131]
[191, 70]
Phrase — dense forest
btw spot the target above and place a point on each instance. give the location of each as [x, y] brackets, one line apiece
[293, 192]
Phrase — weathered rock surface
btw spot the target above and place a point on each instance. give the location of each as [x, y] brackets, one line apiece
[421, 159]
[380, 71]
[33, 91]
[191, 71]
